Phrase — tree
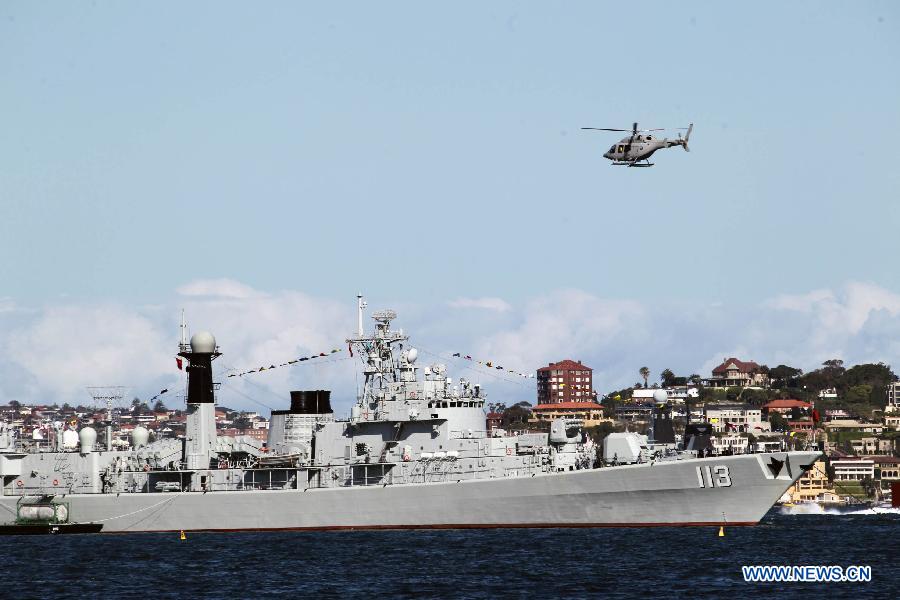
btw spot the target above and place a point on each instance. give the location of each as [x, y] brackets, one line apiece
[834, 367]
[869, 485]
[160, 406]
[667, 377]
[516, 416]
[784, 376]
[878, 376]
[645, 373]
[15, 404]
[695, 379]
[858, 394]
[777, 421]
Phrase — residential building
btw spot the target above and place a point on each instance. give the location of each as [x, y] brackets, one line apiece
[786, 406]
[829, 394]
[735, 417]
[589, 412]
[634, 412]
[731, 444]
[893, 397]
[887, 470]
[864, 446]
[494, 421]
[737, 373]
[813, 486]
[565, 381]
[853, 425]
[676, 395]
[892, 421]
[853, 469]
[770, 445]
[836, 414]
[802, 425]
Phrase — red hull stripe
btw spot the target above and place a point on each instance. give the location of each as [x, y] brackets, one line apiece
[468, 526]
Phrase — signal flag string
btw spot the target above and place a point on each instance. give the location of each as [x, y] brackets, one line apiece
[492, 365]
[289, 363]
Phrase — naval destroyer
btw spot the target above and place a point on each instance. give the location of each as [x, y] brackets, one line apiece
[415, 452]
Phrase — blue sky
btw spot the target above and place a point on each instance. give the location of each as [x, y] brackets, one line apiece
[298, 148]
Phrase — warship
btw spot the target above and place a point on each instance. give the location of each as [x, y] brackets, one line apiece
[414, 453]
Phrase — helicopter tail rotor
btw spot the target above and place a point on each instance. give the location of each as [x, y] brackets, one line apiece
[687, 137]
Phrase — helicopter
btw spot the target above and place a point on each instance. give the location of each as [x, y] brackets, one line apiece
[636, 149]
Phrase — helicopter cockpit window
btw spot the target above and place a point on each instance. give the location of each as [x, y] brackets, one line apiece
[621, 148]
[612, 149]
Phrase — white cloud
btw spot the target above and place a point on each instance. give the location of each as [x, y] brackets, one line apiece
[55, 354]
[497, 304]
[221, 288]
[51, 354]
[65, 349]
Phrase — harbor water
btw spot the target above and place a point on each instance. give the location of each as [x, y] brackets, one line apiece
[546, 563]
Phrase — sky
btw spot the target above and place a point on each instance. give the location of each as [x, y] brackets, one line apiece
[258, 165]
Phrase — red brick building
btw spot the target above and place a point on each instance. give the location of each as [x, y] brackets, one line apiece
[565, 381]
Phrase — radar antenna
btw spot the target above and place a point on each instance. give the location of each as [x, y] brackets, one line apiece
[108, 395]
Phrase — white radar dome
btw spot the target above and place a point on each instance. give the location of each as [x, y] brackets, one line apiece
[412, 355]
[140, 436]
[660, 396]
[70, 439]
[87, 436]
[203, 342]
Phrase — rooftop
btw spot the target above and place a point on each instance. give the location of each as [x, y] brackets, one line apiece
[570, 405]
[565, 365]
[742, 366]
[787, 403]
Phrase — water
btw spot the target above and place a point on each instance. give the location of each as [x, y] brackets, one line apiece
[549, 563]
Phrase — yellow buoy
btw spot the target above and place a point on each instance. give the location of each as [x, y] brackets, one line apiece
[185, 537]
[721, 531]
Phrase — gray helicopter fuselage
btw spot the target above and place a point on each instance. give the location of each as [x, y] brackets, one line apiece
[639, 147]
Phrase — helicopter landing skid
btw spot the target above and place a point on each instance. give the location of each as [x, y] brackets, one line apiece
[632, 164]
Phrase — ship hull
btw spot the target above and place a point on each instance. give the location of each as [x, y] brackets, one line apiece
[672, 493]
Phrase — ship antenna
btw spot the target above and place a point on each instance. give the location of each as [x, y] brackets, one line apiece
[360, 305]
[183, 344]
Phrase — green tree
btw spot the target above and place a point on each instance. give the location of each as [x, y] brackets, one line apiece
[877, 375]
[667, 377]
[777, 421]
[695, 379]
[517, 416]
[160, 406]
[858, 394]
[645, 373]
[784, 376]
[869, 485]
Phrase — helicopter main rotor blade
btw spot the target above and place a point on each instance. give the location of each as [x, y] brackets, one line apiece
[604, 129]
